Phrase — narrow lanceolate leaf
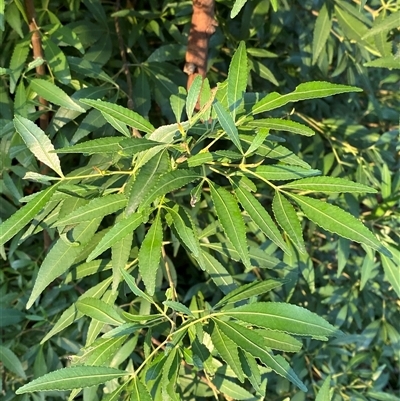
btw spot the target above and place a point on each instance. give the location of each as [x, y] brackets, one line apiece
[99, 310]
[228, 351]
[217, 272]
[178, 307]
[193, 95]
[184, 230]
[11, 362]
[336, 220]
[228, 124]
[23, 216]
[272, 150]
[71, 314]
[61, 257]
[122, 114]
[280, 341]
[281, 172]
[132, 146]
[139, 392]
[328, 185]
[38, 143]
[150, 254]
[249, 290]
[130, 281]
[145, 180]
[100, 145]
[237, 7]
[57, 61]
[278, 124]
[250, 341]
[322, 29]
[169, 182]
[260, 217]
[284, 317]
[118, 125]
[287, 218]
[98, 207]
[323, 393]
[54, 94]
[119, 231]
[384, 25]
[231, 219]
[70, 378]
[391, 270]
[237, 78]
[308, 90]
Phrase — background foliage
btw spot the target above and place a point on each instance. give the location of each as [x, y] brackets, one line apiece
[87, 305]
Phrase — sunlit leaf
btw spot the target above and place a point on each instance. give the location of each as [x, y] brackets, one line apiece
[281, 125]
[308, 90]
[334, 219]
[322, 29]
[150, 254]
[99, 310]
[38, 143]
[70, 378]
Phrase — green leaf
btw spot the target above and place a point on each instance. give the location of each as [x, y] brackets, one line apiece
[281, 125]
[18, 60]
[139, 391]
[92, 121]
[249, 290]
[193, 95]
[133, 146]
[70, 378]
[145, 180]
[385, 25]
[322, 29]
[237, 7]
[99, 310]
[281, 172]
[178, 307]
[336, 220]
[71, 314]
[252, 370]
[217, 272]
[237, 78]
[100, 145]
[284, 317]
[308, 90]
[169, 182]
[170, 375]
[2, 7]
[88, 69]
[118, 125]
[250, 341]
[98, 207]
[391, 270]
[61, 257]
[150, 254]
[200, 159]
[185, 230]
[38, 143]
[119, 231]
[227, 124]
[258, 140]
[328, 185]
[120, 253]
[231, 219]
[260, 217]
[384, 62]
[227, 350]
[287, 218]
[11, 362]
[54, 94]
[25, 214]
[273, 151]
[134, 288]
[323, 393]
[122, 114]
[178, 103]
[57, 61]
[279, 340]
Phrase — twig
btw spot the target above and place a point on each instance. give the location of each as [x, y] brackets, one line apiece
[37, 48]
[202, 27]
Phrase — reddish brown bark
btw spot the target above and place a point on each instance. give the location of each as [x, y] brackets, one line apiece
[202, 27]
